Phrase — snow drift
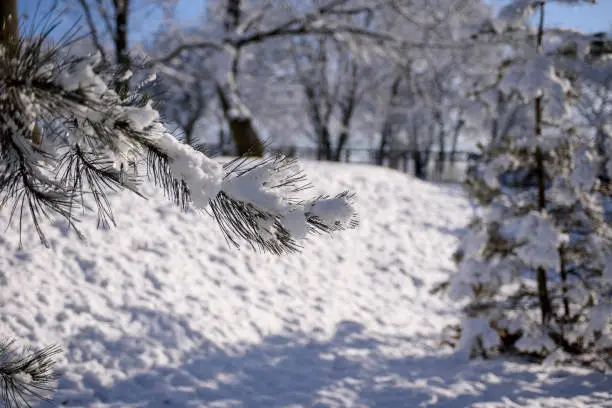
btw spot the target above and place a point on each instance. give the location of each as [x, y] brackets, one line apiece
[161, 311]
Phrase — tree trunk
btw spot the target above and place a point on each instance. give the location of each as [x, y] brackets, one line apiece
[189, 129]
[221, 140]
[9, 35]
[232, 15]
[453, 154]
[420, 171]
[545, 305]
[9, 23]
[385, 135]
[563, 271]
[394, 159]
[242, 130]
[245, 137]
[601, 140]
[441, 159]
[498, 113]
[244, 134]
[344, 135]
[121, 43]
[387, 128]
[324, 149]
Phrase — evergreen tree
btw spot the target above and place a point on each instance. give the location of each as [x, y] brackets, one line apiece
[535, 268]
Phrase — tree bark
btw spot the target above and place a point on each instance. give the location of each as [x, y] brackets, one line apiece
[453, 154]
[232, 15]
[343, 138]
[420, 164]
[387, 128]
[544, 299]
[242, 130]
[9, 23]
[324, 148]
[9, 35]
[441, 159]
[189, 129]
[385, 135]
[347, 109]
[121, 43]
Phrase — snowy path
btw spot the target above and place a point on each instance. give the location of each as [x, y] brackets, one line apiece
[161, 312]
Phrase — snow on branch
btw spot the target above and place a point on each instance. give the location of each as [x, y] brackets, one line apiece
[26, 374]
[94, 140]
[259, 202]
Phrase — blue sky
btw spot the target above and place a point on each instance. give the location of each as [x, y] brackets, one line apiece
[590, 18]
[587, 18]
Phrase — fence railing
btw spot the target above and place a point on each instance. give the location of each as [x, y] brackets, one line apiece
[431, 165]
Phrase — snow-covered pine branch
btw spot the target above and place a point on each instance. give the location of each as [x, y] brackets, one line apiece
[93, 139]
[26, 374]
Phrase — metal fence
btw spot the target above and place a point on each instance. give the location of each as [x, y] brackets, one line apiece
[431, 165]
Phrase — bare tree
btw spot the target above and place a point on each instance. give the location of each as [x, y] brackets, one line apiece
[260, 23]
[389, 126]
[110, 22]
[330, 79]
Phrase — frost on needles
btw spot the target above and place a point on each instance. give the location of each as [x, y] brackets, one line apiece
[95, 141]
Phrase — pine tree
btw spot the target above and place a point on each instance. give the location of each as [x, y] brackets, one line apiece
[535, 267]
[70, 132]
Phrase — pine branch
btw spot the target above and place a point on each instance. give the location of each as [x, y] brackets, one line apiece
[103, 135]
[158, 169]
[268, 230]
[26, 375]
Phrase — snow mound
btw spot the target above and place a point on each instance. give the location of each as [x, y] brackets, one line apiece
[162, 312]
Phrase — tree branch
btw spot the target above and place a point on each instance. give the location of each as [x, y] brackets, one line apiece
[92, 28]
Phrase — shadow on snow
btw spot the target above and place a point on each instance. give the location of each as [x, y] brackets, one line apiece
[347, 370]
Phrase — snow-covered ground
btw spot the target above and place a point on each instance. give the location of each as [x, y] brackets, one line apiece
[161, 312]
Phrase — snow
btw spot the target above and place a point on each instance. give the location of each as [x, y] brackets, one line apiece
[537, 77]
[251, 188]
[202, 174]
[162, 312]
[515, 12]
[83, 77]
[542, 239]
[584, 174]
[141, 118]
[332, 211]
[473, 328]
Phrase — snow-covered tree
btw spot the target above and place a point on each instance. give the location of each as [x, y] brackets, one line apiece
[187, 88]
[535, 267]
[423, 103]
[237, 26]
[334, 83]
[69, 136]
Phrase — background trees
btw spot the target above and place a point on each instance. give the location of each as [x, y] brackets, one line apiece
[263, 62]
[405, 77]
